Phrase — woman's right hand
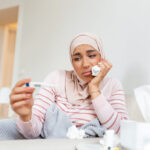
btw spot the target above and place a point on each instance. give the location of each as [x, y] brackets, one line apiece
[21, 100]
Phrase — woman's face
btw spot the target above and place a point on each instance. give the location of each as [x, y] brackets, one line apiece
[83, 59]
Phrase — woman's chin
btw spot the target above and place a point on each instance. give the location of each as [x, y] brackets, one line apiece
[87, 79]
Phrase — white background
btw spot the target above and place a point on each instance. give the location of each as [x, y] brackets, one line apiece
[46, 27]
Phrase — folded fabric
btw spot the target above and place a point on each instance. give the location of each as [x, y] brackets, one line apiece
[57, 124]
[93, 129]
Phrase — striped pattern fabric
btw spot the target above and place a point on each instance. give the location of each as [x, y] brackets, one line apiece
[78, 114]
[109, 107]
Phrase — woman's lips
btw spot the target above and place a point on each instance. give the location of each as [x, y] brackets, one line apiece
[87, 73]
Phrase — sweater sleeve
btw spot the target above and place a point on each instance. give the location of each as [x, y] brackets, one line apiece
[112, 110]
[44, 98]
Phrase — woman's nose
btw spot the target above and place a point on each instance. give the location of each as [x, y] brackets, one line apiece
[85, 63]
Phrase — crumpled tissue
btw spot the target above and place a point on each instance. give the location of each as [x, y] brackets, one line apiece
[75, 133]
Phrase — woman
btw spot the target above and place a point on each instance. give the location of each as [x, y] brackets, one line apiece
[80, 95]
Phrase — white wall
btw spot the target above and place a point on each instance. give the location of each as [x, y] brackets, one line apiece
[9, 3]
[48, 26]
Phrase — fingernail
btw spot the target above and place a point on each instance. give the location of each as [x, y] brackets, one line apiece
[31, 88]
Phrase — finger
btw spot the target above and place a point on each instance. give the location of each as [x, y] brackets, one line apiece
[101, 65]
[106, 65]
[20, 97]
[22, 82]
[20, 104]
[106, 61]
[19, 90]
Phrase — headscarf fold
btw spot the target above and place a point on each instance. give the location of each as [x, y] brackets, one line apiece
[77, 89]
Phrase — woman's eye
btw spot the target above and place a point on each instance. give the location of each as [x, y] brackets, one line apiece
[92, 56]
[76, 59]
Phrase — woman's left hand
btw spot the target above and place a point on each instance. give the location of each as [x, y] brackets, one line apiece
[105, 67]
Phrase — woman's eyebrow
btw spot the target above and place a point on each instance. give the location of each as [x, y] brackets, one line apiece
[90, 50]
